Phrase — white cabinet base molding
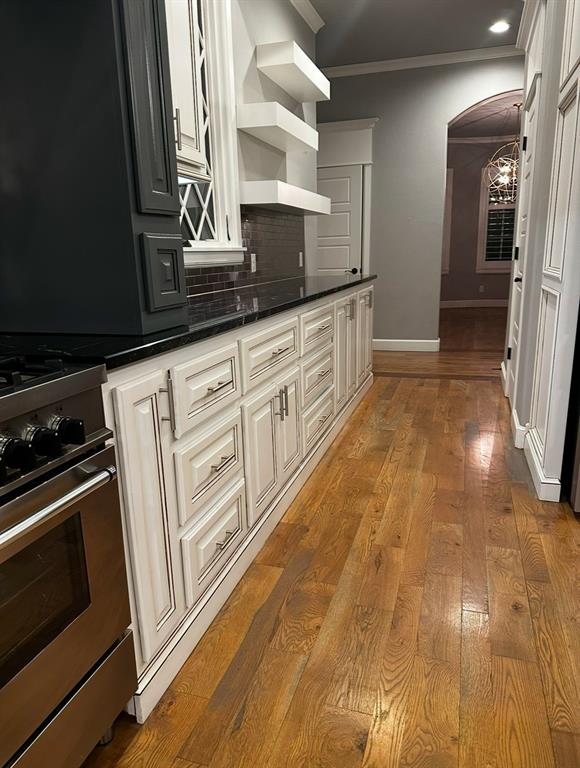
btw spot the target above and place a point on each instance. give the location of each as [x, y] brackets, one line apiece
[518, 430]
[547, 488]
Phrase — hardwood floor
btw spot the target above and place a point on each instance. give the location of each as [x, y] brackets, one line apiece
[416, 607]
[471, 346]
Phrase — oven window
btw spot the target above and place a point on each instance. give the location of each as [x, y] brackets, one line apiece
[43, 588]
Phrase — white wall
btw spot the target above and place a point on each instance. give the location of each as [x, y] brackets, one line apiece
[409, 166]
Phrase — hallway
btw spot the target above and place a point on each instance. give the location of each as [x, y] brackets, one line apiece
[415, 607]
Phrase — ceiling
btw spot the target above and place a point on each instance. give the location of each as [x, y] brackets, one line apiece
[497, 117]
[358, 31]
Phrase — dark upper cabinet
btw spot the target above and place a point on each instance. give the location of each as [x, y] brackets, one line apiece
[87, 168]
[150, 106]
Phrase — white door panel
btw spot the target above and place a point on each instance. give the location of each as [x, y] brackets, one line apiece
[339, 245]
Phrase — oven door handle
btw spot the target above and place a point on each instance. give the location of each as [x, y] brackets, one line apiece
[53, 509]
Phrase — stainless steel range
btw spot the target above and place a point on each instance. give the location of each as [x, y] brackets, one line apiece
[67, 665]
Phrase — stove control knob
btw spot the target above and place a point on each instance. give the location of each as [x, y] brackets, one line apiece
[16, 453]
[70, 431]
[45, 441]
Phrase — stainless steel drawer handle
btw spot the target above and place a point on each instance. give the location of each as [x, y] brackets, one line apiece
[52, 510]
[322, 328]
[280, 351]
[225, 460]
[221, 544]
[177, 119]
[323, 374]
[324, 418]
[218, 386]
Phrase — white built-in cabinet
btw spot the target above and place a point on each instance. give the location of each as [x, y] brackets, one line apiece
[214, 440]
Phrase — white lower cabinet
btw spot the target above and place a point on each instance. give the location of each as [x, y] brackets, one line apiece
[212, 440]
[150, 524]
[271, 423]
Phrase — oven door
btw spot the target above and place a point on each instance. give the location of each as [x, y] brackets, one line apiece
[63, 591]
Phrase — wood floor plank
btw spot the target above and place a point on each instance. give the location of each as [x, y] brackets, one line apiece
[555, 662]
[532, 549]
[477, 743]
[381, 578]
[449, 506]
[521, 723]
[395, 683]
[439, 635]
[566, 749]
[417, 549]
[280, 546]
[446, 552]
[247, 741]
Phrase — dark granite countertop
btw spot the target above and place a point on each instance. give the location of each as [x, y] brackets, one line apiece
[209, 315]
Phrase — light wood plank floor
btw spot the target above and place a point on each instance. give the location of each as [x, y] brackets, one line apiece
[472, 345]
[416, 607]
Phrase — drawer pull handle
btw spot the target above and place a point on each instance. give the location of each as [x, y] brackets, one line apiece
[323, 419]
[286, 400]
[280, 351]
[225, 460]
[221, 544]
[218, 386]
[322, 328]
[323, 374]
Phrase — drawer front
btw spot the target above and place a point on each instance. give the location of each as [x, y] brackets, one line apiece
[316, 327]
[317, 374]
[207, 464]
[210, 543]
[264, 353]
[317, 419]
[204, 386]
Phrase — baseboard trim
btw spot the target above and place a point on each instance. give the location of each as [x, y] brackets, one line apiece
[518, 430]
[406, 345]
[547, 488]
[503, 374]
[460, 303]
[156, 680]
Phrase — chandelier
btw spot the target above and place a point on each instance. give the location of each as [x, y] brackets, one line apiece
[502, 172]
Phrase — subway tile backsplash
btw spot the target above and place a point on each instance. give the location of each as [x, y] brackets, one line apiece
[275, 237]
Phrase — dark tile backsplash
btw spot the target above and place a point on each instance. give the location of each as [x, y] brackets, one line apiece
[276, 238]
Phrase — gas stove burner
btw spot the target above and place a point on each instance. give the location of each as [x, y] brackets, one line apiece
[20, 371]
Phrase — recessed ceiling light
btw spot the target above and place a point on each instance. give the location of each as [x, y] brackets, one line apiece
[499, 27]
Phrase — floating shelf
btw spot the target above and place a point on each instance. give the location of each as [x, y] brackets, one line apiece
[281, 196]
[289, 67]
[277, 126]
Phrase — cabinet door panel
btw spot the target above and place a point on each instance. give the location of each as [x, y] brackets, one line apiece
[150, 106]
[185, 81]
[289, 447]
[150, 529]
[260, 450]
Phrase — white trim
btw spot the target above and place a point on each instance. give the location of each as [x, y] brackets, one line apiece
[459, 303]
[309, 14]
[531, 8]
[209, 256]
[547, 488]
[518, 430]
[504, 380]
[483, 139]
[417, 62]
[162, 671]
[367, 188]
[406, 345]
[447, 222]
[348, 125]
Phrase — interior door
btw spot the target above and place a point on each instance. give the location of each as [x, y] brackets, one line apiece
[339, 245]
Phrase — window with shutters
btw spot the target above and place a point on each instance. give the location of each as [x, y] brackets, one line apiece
[496, 231]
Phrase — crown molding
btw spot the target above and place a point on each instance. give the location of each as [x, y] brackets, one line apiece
[482, 139]
[418, 62]
[309, 14]
[529, 15]
[347, 125]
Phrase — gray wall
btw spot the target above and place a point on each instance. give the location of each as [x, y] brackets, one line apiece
[463, 281]
[409, 164]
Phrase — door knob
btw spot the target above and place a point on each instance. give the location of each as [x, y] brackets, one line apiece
[353, 271]
[517, 279]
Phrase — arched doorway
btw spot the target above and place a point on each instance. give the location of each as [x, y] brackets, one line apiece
[478, 230]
